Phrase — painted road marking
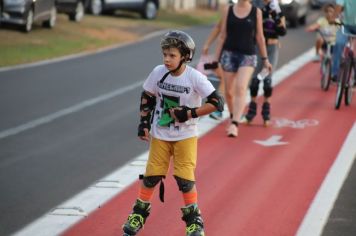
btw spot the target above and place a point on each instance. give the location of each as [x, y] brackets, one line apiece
[298, 124]
[320, 209]
[274, 140]
[92, 198]
[68, 111]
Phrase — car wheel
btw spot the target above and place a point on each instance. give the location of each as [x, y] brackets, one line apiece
[27, 27]
[293, 22]
[149, 10]
[51, 22]
[302, 20]
[96, 7]
[79, 12]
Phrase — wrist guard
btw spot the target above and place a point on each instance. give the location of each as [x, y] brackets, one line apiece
[181, 113]
[145, 123]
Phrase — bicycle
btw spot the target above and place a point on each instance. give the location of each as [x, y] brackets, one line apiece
[325, 65]
[346, 76]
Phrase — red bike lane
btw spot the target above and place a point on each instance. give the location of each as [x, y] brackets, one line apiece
[246, 188]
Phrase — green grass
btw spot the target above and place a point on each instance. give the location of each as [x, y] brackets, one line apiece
[90, 34]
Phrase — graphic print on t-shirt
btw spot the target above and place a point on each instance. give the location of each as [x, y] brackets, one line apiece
[167, 102]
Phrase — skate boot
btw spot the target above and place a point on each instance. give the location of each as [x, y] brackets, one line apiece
[266, 108]
[193, 220]
[251, 113]
[137, 218]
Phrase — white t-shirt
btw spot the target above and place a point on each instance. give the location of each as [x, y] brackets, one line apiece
[187, 89]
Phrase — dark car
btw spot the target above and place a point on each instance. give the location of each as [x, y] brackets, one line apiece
[147, 8]
[295, 11]
[319, 3]
[26, 12]
[75, 9]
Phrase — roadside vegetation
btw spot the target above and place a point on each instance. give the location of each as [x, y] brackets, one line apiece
[92, 33]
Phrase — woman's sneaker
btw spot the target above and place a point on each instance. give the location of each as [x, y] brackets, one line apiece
[136, 220]
[193, 220]
[232, 130]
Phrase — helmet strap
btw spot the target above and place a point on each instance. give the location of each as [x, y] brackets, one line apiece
[178, 67]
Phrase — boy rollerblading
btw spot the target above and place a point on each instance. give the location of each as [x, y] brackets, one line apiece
[170, 103]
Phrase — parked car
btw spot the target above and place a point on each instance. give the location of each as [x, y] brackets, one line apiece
[147, 8]
[26, 12]
[319, 3]
[75, 9]
[295, 11]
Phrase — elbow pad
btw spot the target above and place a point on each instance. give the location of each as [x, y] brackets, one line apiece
[147, 105]
[216, 100]
[148, 102]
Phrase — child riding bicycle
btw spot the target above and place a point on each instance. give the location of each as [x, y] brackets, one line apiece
[327, 26]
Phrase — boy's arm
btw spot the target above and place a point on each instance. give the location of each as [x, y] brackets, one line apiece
[312, 27]
[183, 113]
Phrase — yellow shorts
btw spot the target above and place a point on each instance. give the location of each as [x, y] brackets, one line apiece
[183, 153]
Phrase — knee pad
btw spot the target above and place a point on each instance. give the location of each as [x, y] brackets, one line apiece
[254, 87]
[267, 87]
[184, 184]
[151, 181]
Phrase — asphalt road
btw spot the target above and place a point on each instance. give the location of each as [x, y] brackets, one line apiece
[57, 151]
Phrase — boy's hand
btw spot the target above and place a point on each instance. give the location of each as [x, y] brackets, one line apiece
[144, 131]
[146, 136]
[180, 114]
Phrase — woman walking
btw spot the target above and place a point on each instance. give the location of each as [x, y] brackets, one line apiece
[241, 30]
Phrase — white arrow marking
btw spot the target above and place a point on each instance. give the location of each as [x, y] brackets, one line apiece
[272, 141]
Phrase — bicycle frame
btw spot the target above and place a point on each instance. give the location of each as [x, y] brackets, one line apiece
[347, 71]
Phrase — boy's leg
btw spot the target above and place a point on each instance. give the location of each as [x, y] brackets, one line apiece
[156, 168]
[185, 156]
[273, 53]
[318, 44]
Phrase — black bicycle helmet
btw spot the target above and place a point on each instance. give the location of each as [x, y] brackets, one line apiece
[185, 38]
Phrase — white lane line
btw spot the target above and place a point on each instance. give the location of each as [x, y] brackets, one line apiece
[58, 220]
[320, 209]
[67, 111]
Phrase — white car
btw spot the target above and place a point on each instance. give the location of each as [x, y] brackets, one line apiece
[147, 8]
[295, 11]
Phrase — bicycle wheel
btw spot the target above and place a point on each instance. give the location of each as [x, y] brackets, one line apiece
[349, 85]
[340, 86]
[325, 74]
